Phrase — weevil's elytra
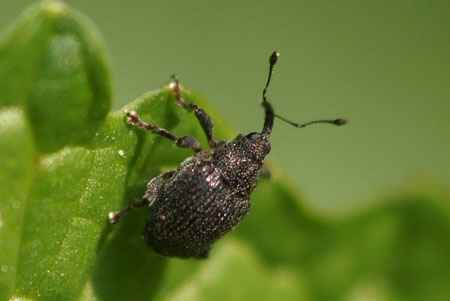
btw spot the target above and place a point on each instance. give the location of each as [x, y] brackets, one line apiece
[209, 193]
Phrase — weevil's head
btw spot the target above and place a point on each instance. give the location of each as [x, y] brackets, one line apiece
[249, 149]
[241, 159]
[259, 144]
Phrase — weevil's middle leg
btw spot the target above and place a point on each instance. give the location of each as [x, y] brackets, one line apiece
[153, 189]
[185, 141]
[114, 217]
[204, 119]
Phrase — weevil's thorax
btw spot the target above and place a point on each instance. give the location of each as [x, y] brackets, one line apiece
[240, 160]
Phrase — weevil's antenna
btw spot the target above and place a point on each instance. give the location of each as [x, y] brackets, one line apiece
[338, 122]
[268, 121]
[270, 115]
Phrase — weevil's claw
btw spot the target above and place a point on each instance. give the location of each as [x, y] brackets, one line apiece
[114, 217]
[133, 117]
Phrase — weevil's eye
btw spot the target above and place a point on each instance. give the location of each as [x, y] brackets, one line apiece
[253, 136]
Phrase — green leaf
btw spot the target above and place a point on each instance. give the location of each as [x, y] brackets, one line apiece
[53, 66]
[65, 164]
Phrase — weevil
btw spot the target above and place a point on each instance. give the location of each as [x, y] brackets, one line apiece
[209, 193]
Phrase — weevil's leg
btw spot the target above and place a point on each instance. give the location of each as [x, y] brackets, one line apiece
[185, 141]
[204, 119]
[205, 254]
[153, 188]
[265, 173]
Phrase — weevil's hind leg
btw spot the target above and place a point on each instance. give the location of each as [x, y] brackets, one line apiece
[184, 142]
[153, 188]
[204, 119]
[205, 254]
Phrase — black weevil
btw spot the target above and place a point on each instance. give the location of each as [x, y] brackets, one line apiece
[208, 195]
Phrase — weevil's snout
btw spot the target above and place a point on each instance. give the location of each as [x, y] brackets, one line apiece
[260, 143]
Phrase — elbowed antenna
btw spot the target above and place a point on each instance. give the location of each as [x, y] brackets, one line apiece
[268, 120]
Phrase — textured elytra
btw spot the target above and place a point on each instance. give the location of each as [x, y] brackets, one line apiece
[207, 196]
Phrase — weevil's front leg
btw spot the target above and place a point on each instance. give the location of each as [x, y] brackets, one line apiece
[185, 141]
[204, 119]
[153, 188]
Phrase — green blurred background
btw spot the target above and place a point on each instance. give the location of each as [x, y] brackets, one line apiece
[385, 65]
